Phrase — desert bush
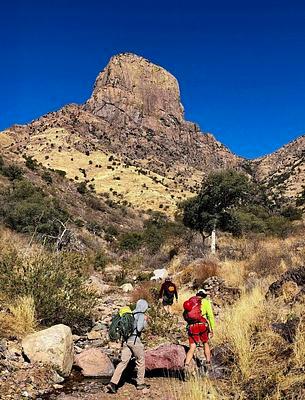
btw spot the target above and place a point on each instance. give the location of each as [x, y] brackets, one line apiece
[202, 271]
[56, 282]
[161, 323]
[12, 172]
[153, 238]
[292, 213]
[148, 291]
[31, 163]
[25, 208]
[100, 261]
[81, 188]
[47, 177]
[278, 225]
[61, 173]
[131, 241]
[271, 259]
[94, 203]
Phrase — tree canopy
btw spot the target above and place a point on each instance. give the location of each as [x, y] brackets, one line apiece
[229, 201]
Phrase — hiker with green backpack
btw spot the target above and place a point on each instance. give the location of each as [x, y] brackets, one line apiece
[128, 326]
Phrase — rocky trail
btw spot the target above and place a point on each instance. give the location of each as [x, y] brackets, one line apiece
[95, 356]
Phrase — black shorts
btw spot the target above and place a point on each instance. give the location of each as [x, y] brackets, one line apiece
[168, 301]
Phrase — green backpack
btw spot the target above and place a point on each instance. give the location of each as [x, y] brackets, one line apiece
[122, 325]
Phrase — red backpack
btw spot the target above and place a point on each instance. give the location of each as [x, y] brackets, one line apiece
[192, 310]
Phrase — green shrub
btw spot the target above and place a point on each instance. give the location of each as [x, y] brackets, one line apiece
[278, 225]
[82, 188]
[292, 213]
[100, 261]
[25, 208]
[131, 241]
[60, 172]
[47, 177]
[153, 238]
[111, 230]
[94, 227]
[12, 172]
[55, 281]
[30, 163]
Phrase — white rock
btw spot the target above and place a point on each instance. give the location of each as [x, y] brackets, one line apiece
[127, 287]
[52, 346]
[159, 274]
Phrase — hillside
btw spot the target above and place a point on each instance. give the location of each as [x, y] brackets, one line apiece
[130, 139]
[283, 171]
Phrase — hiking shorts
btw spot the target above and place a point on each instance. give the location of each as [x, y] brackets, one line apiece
[167, 301]
[198, 333]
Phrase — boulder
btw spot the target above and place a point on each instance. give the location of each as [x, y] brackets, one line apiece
[287, 329]
[127, 287]
[94, 363]
[98, 285]
[94, 335]
[159, 274]
[112, 272]
[52, 346]
[296, 275]
[168, 356]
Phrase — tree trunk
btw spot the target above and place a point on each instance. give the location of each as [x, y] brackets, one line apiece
[213, 241]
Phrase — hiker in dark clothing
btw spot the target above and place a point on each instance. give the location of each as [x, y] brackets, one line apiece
[167, 293]
[133, 347]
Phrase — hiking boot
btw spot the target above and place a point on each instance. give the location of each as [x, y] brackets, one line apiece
[143, 386]
[208, 368]
[112, 388]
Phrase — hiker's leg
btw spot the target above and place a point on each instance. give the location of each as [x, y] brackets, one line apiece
[138, 351]
[190, 354]
[125, 357]
[207, 352]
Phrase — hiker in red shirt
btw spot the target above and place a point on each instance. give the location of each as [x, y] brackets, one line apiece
[199, 316]
[167, 293]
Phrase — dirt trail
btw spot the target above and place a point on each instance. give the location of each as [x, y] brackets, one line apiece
[161, 389]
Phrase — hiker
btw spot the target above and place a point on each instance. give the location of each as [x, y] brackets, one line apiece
[200, 318]
[167, 293]
[133, 347]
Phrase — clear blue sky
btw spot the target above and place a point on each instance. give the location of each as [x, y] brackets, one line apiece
[240, 64]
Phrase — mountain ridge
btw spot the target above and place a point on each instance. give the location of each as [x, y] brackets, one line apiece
[135, 115]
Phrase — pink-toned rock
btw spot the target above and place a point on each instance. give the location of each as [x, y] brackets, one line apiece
[168, 356]
[94, 363]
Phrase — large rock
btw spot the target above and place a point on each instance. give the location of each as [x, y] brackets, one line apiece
[127, 287]
[168, 356]
[52, 346]
[96, 283]
[159, 274]
[94, 363]
[296, 275]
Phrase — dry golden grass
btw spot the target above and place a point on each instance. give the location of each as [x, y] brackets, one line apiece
[146, 191]
[299, 344]
[20, 318]
[233, 272]
[196, 389]
[237, 325]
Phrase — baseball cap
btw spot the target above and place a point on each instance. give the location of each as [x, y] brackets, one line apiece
[202, 293]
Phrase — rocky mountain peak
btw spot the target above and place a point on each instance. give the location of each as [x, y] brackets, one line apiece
[132, 87]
